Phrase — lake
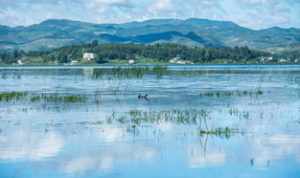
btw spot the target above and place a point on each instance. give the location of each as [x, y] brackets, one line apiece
[238, 121]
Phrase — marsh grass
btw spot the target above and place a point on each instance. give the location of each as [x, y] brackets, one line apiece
[225, 132]
[12, 96]
[24, 96]
[137, 117]
[59, 99]
[160, 71]
[177, 116]
[136, 72]
[239, 114]
[218, 94]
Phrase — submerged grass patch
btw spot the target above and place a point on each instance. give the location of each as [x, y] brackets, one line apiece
[57, 98]
[220, 132]
[24, 96]
[130, 72]
[12, 96]
[218, 94]
[138, 117]
[195, 119]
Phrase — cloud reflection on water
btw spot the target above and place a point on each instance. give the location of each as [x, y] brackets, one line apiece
[30, 146]
[266, 149]
[105, 160]
[198, 157]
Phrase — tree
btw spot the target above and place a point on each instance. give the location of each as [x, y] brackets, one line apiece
[94, 43]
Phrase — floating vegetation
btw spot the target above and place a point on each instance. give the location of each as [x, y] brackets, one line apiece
[12, 96]
[220, 132]
[218, 94]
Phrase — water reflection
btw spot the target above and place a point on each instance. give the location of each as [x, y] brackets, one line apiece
[26, 145]
[267, 149]
[199, 158]
[90, 122]
[106, 159]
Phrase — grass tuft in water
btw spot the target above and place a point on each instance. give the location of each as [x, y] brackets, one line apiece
[137, 117]
[137, 72]
[57, 99]
[220, 132]
[219, 94]
[12, 96]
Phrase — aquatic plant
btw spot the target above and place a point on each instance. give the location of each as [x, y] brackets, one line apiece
[57, 98]
[138, 117]
[160, 70]
[136, 72]
[239, 114]
[220, 132]
[218, 94]
[12, 96]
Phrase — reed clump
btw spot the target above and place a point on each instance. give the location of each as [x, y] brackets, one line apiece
[218, 94]
[220, 132]
[138, 117]
[131, 72]
[12, 96]
[57, 98]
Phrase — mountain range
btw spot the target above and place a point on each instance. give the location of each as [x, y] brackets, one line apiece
[56, 33]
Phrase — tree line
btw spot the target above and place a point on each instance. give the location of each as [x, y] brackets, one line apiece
[161, 52]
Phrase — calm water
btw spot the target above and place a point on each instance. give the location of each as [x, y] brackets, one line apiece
[208, 122]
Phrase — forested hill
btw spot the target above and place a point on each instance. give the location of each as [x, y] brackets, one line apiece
[55, 33]
[122, 53]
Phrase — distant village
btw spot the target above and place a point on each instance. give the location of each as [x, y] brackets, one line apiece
[137, 54]
[88, 56]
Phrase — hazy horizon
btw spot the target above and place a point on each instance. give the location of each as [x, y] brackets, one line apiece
[254, 14]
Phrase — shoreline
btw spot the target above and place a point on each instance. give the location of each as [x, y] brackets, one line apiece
[170, 66]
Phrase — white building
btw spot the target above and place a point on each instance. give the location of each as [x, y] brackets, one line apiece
[177, 60]
[174, 60]
[283, 60]
[88, 56]
[270, 58]
[73, 62]
[20, 62]
[131, 61]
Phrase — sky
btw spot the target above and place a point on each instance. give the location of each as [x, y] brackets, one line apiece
[255, 14]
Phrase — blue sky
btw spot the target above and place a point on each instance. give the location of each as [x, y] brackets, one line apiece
[255, 14]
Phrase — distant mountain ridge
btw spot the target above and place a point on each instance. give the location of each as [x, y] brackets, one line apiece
[56, 33]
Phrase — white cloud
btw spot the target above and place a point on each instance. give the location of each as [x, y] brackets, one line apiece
[250, 13]
[160, 5]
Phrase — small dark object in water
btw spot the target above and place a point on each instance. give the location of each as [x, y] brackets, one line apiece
[145, 97]
[252, 162]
